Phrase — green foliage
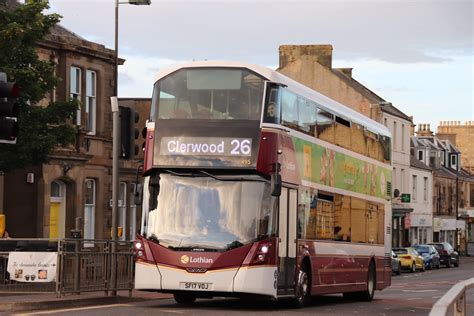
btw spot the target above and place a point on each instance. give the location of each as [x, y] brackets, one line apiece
[42, 128]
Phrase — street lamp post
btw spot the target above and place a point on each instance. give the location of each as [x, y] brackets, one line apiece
[116, 149]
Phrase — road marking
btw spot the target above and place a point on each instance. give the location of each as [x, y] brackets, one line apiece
[172, 311]
[74, 309]
[419, 291]
[414, 298]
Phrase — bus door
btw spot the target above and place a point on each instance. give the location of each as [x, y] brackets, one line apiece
[287, 240]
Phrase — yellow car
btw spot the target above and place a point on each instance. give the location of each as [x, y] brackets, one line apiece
[410, 259]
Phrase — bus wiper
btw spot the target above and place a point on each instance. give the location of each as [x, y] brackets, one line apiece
[196, 249]
[179, 174]
[227, 178]
[234, 244]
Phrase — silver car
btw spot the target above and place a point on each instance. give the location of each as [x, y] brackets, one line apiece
[396, 265]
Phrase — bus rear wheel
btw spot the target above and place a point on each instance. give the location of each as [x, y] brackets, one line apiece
[184, 298]
[368, 294]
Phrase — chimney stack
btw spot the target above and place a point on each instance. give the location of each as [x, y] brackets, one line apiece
[424, 130]
[321, 53]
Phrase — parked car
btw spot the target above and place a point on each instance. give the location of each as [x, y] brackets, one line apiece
[396, 264]
[410, 259]
[447, 254]
[430, 256]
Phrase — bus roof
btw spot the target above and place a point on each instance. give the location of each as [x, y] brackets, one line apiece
[274, 76]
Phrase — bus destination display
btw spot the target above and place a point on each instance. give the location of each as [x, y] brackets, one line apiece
[206, 146]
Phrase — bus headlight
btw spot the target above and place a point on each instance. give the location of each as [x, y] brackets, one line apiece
[138, 245]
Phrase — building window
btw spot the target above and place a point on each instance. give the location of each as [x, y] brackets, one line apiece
[425, 189]
[402, 180]
[133, 213]
[414, 187]
[91, 84]
[75, 89]
[89, 209]
[395, 137]
[402, 141]
[454, 162]
[442, 157]
[420, 155]
[57, 189]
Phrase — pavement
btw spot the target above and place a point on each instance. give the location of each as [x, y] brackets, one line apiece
[19, 302]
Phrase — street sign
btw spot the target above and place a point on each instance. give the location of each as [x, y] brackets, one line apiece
[406, 197]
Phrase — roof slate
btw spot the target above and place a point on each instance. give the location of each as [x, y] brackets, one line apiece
[418, 164]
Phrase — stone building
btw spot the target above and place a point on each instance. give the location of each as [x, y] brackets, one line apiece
[461, 135]
[420, 221]
[311, 65]
[399, 125]
[46, 200]
[452, 187]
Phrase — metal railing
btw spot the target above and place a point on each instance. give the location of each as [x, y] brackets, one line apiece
[453, 303]
[82, 265]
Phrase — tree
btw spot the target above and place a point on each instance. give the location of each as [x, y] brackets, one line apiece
[42, 128]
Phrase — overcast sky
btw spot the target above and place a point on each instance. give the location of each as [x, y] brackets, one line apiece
[417, 54]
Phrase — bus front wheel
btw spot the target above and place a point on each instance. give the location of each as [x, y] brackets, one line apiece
[303, 287]
[184, 298]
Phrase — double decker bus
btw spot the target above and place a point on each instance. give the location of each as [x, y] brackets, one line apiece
[258, 186]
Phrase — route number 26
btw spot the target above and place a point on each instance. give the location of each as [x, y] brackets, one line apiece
[240, 148]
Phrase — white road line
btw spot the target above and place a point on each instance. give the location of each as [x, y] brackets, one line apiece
[419, 291]
[73, 309]
[172, 311]
[414, 299]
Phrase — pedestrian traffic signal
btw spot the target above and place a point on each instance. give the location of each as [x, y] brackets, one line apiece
[9, 108]
[128, 132]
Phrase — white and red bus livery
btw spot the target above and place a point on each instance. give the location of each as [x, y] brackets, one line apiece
[255, 185]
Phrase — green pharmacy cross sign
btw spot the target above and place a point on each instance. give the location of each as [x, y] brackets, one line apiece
[406, 198]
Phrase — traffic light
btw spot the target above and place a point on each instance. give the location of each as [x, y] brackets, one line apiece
[9, 108]
[128, 132]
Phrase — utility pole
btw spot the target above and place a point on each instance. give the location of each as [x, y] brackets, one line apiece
[115, 147]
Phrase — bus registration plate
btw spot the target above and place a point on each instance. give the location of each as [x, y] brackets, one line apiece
[200, 286]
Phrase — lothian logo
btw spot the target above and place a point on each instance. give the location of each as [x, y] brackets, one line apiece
[190, 259]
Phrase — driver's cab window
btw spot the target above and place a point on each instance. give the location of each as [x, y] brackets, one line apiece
[272, 108]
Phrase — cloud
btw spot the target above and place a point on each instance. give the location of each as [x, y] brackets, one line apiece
[137, 75]
[416, 54]
[397, 31]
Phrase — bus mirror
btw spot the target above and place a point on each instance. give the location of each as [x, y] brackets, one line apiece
[275, 184]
